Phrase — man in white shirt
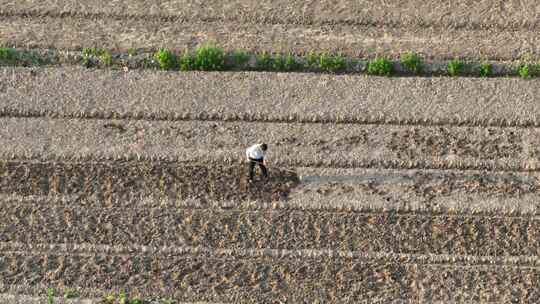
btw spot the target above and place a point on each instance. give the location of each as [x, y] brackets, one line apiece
[255, 155]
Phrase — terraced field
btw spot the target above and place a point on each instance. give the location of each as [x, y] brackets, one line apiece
[381, 190]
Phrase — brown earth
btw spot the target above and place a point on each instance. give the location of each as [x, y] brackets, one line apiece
[482, 30]
[289, 97]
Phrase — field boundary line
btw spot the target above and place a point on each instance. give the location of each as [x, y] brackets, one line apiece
[254, 207]
[427, 259]
[262, 118]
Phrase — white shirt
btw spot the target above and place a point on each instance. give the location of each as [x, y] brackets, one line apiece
[255, 152]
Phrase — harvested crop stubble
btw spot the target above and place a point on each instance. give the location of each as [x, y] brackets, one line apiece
[279, 97]
[432, 28]
[131, 180]
[261, 279]
[191, 140]
[418, 233]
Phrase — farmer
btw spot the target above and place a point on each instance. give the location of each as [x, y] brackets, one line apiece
[255, 155]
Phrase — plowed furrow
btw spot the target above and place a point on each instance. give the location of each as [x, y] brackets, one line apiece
[299, 143]
[282, 229]
[262, 279]
[458, 14]
[125, 181]
[281, 97]
[74, 33]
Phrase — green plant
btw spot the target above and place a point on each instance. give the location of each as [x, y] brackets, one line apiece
[136, 301]
[485, 69]
[380, 66]
[109, 299]
[240, 58]
[312, 59]
[8, 56]
[71, 294]
[456, 67]
[285, 63]
[525, 71]
[50, 296]
[106, 58]
[412, 62]
[122, 298]
[96, 52]
[332, 63]
[165, 58]
[186, 62]
[264, 62]
[209, 58]
[132, 52]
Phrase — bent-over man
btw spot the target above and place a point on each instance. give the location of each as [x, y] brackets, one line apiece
[255, 155]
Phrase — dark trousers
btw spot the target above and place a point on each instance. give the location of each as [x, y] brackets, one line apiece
[252, 163]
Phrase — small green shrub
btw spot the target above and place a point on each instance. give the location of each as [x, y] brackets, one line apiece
[71, 294]
[109, 299]
[240, 58]
[8, 56]
[186, 62]
[209, 58]
[96, 52]
[106, 58]
[312, 60]
[485, 69]
[265, 62]
[136, 301]
[456, 67]
[525, 71]
[332, 63]
[285, 63]
[380, 66]
[166, 59]
[122, 298]
[50, 296]
[412, 62]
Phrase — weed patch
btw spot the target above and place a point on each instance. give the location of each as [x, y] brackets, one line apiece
[209, 58]
[186, 62]
[528, 70]
[286, 63]
[8, 56]
[50, 296]
[412, 62]
[332, 63]
[380, 66]
[456, 67]
[71, 294]
[166, 59]
[264, 62]
[240, 59]
[485, 69]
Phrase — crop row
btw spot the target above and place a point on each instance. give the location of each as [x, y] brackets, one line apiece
[212, 58]
[265, 280]
[106, 181]
[315, 118]
[388, 232]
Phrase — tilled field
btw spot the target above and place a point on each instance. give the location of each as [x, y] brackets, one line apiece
[147, 192]
[381, 190]
[502, 31]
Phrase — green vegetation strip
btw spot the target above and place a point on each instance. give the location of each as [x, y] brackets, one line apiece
[212, 58]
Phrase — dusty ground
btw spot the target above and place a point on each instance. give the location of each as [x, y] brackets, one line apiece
[135, 181]
[152, 95]
[502, 31]
[386, 190]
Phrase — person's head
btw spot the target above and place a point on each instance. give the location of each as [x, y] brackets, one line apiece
[264, 147]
